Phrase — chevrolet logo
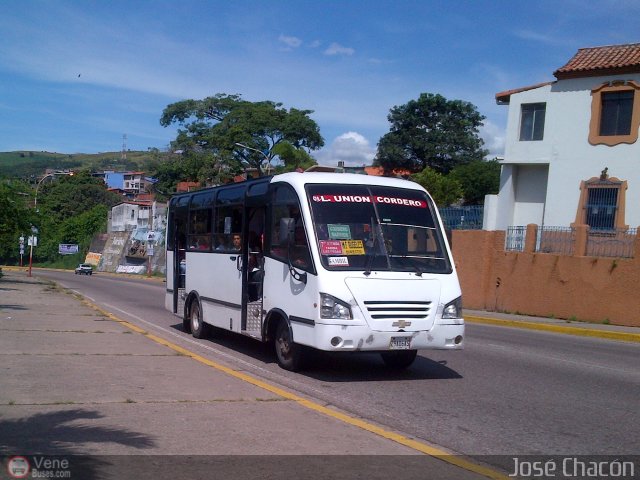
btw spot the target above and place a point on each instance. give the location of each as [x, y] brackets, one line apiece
[401, 324]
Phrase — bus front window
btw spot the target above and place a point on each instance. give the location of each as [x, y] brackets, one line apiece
[361, 227]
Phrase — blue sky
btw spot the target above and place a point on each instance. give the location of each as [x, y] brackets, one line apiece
[77, 75]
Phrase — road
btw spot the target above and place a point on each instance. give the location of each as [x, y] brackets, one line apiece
[510, 392]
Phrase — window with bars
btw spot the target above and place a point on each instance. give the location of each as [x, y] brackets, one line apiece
[601, 207]
[532, 121]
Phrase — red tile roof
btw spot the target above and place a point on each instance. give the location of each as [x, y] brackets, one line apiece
[379, 172]
[503, 97]
[187, 186]
[607, 60]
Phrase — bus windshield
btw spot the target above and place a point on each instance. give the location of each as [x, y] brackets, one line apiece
[361, 227]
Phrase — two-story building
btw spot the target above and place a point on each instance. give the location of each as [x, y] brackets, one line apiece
[572, 154]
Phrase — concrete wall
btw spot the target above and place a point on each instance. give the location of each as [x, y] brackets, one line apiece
[594, 289]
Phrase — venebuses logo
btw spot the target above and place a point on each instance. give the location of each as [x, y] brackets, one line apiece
[18, 467]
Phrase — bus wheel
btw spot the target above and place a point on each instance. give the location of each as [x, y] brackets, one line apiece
[400, 359]
[199, 329]
[289, 354]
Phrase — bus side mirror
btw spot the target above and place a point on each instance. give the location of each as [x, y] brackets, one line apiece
[286, 231]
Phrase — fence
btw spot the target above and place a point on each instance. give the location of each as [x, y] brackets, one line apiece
[563, 241]
[615, 243]
[462, 218]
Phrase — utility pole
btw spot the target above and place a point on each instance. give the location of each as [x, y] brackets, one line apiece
[123, 155]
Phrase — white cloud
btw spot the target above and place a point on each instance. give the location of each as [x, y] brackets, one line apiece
[351, 148]
[538, 37]
[337, 49]
[290, 42]
[494, 139]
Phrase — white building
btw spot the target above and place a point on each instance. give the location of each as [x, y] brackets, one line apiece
[128, 216]
[572, 154]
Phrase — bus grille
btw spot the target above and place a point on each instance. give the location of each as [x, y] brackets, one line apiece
[381, 310]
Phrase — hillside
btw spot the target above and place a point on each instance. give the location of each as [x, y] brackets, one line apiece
[26, 164]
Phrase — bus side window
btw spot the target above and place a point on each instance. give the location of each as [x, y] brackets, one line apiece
[286, 206]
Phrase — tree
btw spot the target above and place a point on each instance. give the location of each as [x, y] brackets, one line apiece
[292, 157]
[238, 132]
[15, 218]
[478, 178]
[444, 189]
[431, 132]
[68, 196]
[71, 209]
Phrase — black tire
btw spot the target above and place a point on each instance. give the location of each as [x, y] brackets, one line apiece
[90, 273]
[199, 329]
[289, 354]
[186, 323]
[399, 360]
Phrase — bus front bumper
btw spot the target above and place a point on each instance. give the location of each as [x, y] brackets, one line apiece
[341, 338]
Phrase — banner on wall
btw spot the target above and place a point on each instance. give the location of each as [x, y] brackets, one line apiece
[67, 248]
[93, 258]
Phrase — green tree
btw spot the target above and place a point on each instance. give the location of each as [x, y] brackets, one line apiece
[71, 195]
[444, 189]
[71, 209]
[431, 132]
[216, 125]
[292, 157]
[478, 178]
[15, 218]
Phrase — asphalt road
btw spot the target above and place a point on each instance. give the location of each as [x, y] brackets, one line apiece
[510, 392]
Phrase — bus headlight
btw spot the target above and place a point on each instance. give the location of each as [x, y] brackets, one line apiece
[331, 307]
[453, 309]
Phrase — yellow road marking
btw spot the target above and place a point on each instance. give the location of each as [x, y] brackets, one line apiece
[582, 332]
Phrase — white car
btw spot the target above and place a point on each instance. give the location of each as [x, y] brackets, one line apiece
[84, 269]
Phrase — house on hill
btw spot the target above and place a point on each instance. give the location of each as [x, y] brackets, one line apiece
[572, 152]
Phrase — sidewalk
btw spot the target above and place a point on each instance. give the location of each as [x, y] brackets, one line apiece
[568, 327]
[74, 382]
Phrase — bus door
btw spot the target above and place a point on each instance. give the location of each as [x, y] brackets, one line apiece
[178, 226]
[253, 259]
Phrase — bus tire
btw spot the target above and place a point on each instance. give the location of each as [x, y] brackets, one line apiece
[399, 360]
[199, 329]
[289, 354]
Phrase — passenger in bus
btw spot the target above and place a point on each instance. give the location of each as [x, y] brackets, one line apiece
[236, 242]
[220, 243]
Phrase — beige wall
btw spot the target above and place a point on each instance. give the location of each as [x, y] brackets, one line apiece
[594, 289]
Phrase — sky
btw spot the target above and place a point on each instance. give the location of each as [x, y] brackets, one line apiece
[76, 76]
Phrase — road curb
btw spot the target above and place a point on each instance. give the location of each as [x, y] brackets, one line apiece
[580, 332]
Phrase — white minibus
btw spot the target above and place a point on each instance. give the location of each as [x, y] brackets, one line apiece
[333, 261]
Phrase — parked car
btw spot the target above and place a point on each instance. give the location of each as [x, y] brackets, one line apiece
[84, 269]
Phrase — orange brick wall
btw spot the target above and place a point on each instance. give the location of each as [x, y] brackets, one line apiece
[594, 289]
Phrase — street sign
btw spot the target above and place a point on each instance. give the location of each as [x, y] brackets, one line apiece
[33, 241]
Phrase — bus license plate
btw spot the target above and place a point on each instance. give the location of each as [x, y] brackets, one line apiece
[400, 343]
